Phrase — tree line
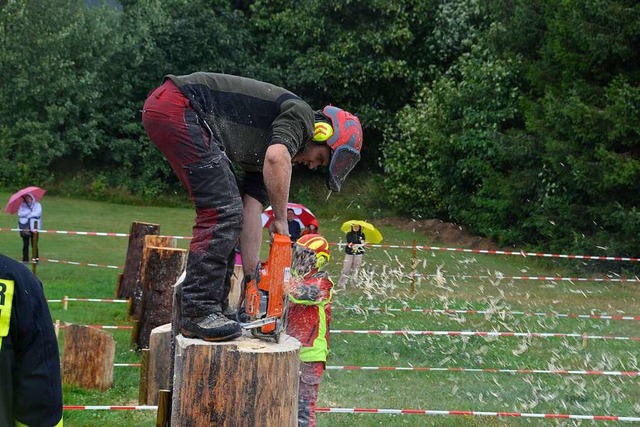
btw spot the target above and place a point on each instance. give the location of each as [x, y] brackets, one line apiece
[518, 119]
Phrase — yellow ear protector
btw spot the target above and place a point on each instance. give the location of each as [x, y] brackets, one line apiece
[322, 132]
[321, 260]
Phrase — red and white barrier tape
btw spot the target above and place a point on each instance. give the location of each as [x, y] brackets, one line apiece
[492, 313]
[393, 412]
[62, 326]
[80, 233]
[532, 278]
[486, 334]
[475, 370]
[497, 252]
[109, 408]
[486, 370]
[92, 300]
[474, 413]
[87, 264]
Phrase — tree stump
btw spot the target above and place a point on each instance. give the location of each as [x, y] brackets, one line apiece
[158, 365]
[88, 357]
[161, 268]
[131, 273]
[245, 382]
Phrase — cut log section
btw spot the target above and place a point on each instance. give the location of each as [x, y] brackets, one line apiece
[161, 268]
[88, 357]
[157, 375]
[245, 382]
[131, 274]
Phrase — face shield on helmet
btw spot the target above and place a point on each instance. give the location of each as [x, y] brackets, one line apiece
[345, 142]
[310, 252]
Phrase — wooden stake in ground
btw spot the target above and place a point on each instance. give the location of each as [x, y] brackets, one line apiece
[245, 382]
[88, 357]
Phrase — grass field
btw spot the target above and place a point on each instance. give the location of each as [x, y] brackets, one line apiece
[385, 282]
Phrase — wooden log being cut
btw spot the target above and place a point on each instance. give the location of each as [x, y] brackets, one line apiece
[158, 374]
[88, 357]
[161, 269]
[245, 382]
[236, 286]
[131, 274]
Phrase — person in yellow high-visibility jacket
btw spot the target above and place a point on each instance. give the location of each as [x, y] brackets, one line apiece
[30, 382]
[309, 318]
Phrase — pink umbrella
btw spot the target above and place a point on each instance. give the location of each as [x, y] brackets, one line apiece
[303, 214]
[16, 198]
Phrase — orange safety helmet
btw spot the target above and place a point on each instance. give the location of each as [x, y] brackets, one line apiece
[344, 137]
[310, 251]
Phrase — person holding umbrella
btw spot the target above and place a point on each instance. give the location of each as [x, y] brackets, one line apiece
[29, 220]
[353, 256]
[205, 122]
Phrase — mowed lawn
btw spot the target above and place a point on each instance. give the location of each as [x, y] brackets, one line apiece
[450, 280]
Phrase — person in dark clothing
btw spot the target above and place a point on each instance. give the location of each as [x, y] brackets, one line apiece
[207, 124]
[353, 252]
[294, 226]
[30, 381]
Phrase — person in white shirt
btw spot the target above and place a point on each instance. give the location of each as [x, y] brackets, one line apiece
[29, 220]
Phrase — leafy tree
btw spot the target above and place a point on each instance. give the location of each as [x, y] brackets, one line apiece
[366, 56]
[51, 57]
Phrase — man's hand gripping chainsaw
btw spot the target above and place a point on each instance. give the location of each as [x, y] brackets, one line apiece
[265, 300]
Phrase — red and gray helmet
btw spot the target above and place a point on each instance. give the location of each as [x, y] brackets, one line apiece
[311, 251]
[345, 144]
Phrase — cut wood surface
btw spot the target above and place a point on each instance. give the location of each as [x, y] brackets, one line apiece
[245, 382]
[88, 357]
[236, 286]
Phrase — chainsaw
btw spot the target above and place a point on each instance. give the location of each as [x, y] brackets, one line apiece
[264, 294]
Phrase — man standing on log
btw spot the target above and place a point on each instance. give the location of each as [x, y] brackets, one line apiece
[204, 122]
[30, 381]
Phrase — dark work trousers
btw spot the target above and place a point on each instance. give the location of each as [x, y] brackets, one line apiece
[205, 171]
[25, 247]
[26, 240]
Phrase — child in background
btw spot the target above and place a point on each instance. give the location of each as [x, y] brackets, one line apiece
[311, 228]
[309, 318]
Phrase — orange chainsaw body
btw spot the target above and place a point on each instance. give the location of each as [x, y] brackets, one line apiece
[265, 297]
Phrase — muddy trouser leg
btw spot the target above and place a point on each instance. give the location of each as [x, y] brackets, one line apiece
[310, 377]
[205, 172]
[346, 269]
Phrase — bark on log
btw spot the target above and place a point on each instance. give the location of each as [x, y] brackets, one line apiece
[246, 382]
[158, 365]
[131, 274]
[88, 357]
[161, 268]
[149, 240]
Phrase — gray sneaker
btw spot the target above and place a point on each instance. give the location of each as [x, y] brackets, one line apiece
[214, 327]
